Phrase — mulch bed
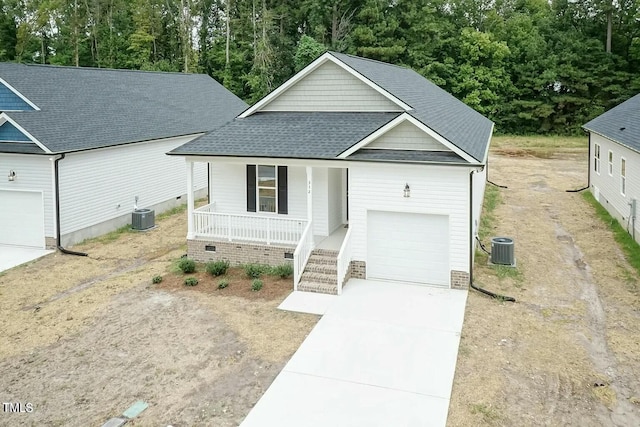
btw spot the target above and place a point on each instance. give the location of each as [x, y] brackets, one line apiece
[273, 287]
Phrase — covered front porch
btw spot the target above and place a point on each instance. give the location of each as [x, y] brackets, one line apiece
[273, 214]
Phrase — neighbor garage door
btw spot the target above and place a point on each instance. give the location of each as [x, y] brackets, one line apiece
[408, 247]
[21, 218]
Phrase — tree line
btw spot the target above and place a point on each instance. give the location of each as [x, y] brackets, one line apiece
[532, 66]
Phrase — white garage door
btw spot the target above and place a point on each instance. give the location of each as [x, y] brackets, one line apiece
[408, 247]
[21, 218]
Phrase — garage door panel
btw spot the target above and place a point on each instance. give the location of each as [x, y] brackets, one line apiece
[22, 218]
[408, 247]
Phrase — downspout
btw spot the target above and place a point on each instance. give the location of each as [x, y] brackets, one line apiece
[208, 183]
[588, 169]
[471, 240]
[57, 190]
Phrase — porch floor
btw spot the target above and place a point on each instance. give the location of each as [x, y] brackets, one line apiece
[334, 240]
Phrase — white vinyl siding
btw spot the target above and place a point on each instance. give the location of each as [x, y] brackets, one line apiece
[101, 185]
[609, 190]
[320, 202]
[479, 186]
[335, 198]
[330, 88]
[406, 136]
[33, 173]
[435, 190]
[229, 189]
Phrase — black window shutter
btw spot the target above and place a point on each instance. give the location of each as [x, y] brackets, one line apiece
[251, 188]
[283, 205]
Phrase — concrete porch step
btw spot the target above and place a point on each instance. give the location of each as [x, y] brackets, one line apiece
[322, 288]
[319, 277]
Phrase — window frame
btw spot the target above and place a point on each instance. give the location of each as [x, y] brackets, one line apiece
[263, 187]
[623, 176]
[596, 157]
[610, 159]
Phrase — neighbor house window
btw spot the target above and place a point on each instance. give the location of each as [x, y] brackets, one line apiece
[596, 158]
[610, 162]
[267, 189]
[623, 176]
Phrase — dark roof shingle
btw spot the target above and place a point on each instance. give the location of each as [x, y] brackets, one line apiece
[436, 108]
[309, 135]
[86, 108]
[620, 124]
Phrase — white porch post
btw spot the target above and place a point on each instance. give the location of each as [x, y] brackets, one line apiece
[309, 193]
[190, 201]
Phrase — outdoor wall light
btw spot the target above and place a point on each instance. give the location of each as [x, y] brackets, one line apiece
[407, 191]
[12, 175]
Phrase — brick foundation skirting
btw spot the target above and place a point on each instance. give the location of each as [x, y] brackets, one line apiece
[459, 280]
[358, 269]
[238, 252]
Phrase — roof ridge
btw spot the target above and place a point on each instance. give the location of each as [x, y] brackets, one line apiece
[124, 70]
[361, 58]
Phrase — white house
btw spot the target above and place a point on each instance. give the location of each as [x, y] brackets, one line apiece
[79, 147]
[614, 170]
[352, 168]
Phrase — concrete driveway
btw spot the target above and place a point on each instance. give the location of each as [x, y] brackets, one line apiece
[12, 256]
[383, 354]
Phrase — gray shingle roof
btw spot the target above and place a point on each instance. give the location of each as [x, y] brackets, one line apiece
[407, 156]
[86, 108]
[620, 124]
[315, 135]
[20, 148]
[439, 110]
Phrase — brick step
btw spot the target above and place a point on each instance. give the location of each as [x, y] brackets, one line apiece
[321, 288]
[318, 277]
[321, 268]
[322, 259]
[326, 252]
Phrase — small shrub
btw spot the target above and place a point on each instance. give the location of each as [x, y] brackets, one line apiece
[254, 271]
[217, 268]
[187, 265]
[156, 279]
[190, 281]
[256, 285]
[223, 284]
[282, 270]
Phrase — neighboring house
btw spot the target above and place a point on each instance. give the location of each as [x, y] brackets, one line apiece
[614, 162]
[79, 146]
[352, 168]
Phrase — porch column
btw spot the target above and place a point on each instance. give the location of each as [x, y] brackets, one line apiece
[309, 193]
[190, 201]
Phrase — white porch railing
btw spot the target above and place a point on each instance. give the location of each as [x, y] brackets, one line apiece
[344, 259]
[302, 253]
[251, 228]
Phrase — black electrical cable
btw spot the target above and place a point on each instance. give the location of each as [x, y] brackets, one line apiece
[482, 246]
[493, 295]
[497, 185]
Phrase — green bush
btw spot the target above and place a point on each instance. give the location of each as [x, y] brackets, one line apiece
[156, 279]
[217, 268]
[223, 284]
[282, 270]
[190, 281]
[254, 271]
[187, 265]
[256, 285]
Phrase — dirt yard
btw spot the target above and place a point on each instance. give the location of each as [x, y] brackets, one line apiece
[568, 351]
[84, 338]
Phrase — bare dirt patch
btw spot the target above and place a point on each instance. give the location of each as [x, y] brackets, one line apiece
[84, 338]
[568, 351]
